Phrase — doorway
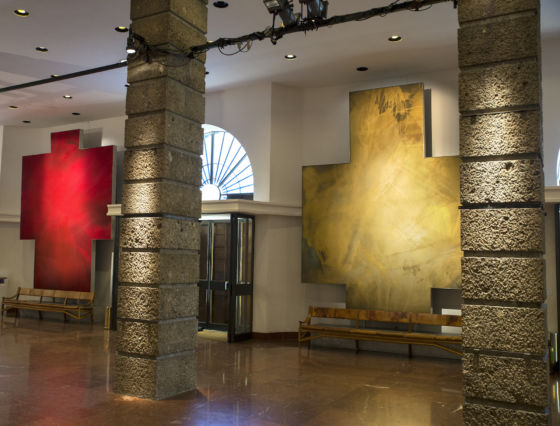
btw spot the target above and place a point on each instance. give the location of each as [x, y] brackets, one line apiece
[226, 275]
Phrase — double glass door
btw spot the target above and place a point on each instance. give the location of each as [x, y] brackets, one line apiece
[226, 275]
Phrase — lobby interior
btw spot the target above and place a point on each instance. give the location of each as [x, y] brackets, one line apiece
[287, 114]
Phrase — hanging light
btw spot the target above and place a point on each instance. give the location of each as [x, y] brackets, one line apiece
[282, 8]
[316, 9]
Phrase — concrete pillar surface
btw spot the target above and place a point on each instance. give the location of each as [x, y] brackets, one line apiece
[159, 235]
[505, 368]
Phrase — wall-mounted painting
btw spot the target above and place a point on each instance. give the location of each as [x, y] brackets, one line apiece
[387, 224]
[64, 199]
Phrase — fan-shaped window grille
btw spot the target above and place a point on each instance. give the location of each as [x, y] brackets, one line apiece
[226, 168]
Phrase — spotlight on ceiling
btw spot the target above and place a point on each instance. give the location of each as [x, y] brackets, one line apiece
[220, 4]
[121, 29]
[283, 8]
[395, 38]
[76, 113]
[362, 69]
[41, 49]
[26, 121]
[67, 96]
[13, 107]
[290, 56]
[21, 12]
[55, 75]
[316, 9]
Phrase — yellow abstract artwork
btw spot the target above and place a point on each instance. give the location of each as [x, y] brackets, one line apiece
[386, 224]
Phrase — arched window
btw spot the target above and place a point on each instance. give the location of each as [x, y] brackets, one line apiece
[226, 168]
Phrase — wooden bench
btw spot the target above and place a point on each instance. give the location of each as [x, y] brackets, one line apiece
[76, 304]
[410, 320]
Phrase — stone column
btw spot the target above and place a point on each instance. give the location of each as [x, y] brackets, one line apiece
[505, 368]
[158, 273]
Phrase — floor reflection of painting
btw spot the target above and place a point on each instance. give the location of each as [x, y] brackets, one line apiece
[387, 224]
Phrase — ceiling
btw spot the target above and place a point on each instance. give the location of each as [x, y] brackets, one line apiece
[80, 35]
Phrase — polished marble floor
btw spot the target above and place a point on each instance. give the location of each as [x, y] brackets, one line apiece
[55, 373]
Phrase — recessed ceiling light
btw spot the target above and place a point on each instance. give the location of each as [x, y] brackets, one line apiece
[41, 49]
[26, 121]
[123, 61]
[395, 38]
[75, 113]
[362, 69]
[207, 72]
[13, 107]
[21, 12]
[290, 57]
[126, 85]
[67, 97]
[220, 4]
[121, 29]
[55, 75]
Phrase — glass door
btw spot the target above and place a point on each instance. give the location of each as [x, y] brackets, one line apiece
[241, 278]
[215, 243]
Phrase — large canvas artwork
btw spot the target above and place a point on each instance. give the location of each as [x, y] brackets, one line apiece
[64, 207]
[387, 224]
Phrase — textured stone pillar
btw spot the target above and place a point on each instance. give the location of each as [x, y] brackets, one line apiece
[158, 268]
[505, 369]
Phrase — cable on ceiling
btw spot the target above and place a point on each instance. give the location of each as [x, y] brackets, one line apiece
[243, 43]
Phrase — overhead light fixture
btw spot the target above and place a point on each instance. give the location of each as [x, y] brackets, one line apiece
[126, 85]
[316, 8]
[130, 47]
[122, 61]
[362, 69]
[67, 97]
[55, 75]
[76, 113]
[121, 29]
[41, 49]
[26, 121]
[13, 107]
[21, 12]
[290, 57]
[221, 4]
[283, 8]
[395, 38]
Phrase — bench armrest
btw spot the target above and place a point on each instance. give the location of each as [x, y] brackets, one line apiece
[14, 297]
[307, 319]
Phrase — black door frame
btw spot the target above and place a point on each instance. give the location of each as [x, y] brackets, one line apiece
[236, 289]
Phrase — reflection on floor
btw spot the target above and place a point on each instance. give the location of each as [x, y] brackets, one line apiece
[220, 336]
[57, 373]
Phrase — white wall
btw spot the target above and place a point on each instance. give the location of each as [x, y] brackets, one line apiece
[106, 132]
[18, 141]
[245, 112]
[285, 145]
[1, 143]
[280, 300]
[551, 109]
